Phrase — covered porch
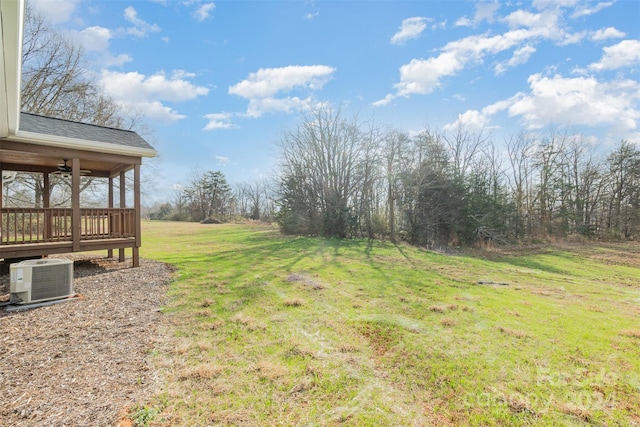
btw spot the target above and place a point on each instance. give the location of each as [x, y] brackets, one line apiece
[43, 229]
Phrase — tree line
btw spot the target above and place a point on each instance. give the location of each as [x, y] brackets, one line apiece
[339, 177]
[209, 198]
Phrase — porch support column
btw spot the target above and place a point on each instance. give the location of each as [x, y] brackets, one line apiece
[46, 191]
[136, 205]
[1, 215]
[110, 201]
[76, 226]
[123, 199]
[46, 204]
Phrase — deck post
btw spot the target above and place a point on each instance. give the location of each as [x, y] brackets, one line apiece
[110, 201]
[76, 226]
[123, 201]
[1, 193]
[46, 203]
[136, 206]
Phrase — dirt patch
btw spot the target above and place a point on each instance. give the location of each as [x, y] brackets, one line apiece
[80, 362]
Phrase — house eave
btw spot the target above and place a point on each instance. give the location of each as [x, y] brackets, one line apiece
[80, 144]
[11, 29]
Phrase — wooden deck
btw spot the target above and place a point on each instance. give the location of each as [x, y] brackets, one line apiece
[28, 232]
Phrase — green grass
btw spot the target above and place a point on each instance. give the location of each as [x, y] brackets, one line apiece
[272, 330]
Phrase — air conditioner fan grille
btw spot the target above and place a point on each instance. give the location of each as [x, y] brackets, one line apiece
[52, 281]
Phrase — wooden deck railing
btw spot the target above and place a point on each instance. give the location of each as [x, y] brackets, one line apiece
[38, 225]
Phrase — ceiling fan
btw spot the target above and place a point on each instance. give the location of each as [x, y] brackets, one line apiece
[65, 169]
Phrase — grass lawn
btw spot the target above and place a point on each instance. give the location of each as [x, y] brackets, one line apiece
[272, 330]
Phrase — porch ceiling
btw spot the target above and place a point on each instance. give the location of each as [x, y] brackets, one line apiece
[22, 157]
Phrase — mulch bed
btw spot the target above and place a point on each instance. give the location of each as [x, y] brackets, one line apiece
[85, 361]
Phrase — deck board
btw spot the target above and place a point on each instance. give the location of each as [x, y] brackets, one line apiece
[48, 248]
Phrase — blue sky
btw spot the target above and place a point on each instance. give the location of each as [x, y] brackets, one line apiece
[219, 82]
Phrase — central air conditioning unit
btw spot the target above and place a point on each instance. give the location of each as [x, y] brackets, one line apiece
[41, 280]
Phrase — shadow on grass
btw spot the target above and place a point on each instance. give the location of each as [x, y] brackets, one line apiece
[539, 265]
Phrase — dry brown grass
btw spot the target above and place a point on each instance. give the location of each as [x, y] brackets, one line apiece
[448, 322]
[203, 371]
[249, 322]
[269, 370]
[438, 309]
[513, 332]
[580, 413]
[293, 302]
[631, 333]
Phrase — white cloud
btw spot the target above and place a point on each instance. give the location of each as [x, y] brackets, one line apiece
[550, 4]
[140, 27]
[526, 30]
[478, 120]
[556, 100]
[222, 160]
[262, 90]
[496, 107]
[267, 82]
[578, 101]
[219, 121]
[471, 119]
[520, 56]
[583, 8]
[259, 106]
[204, 11]
[384, 101]
[485, 11]
[117, 61]
[96, 41]
[624, 54]
[155, 110]
[568, 102]
[544, 24]
[95, 38]
[607, 33]
[422, 76]
[55, 11]
[311, 15]
[463, 22]
[136, 86]
[145, 93]
[262, 87]
[411, 28]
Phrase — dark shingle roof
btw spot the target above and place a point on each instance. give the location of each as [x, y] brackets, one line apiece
[68, 129]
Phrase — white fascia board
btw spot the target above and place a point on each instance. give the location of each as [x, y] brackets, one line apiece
[4, 107]
[81, 144]
[12, 16]
[4, 104]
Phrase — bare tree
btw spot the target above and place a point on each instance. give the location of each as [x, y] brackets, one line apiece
[56, 83]
[395, 148]
[326, 171]
[520, 150]
[623, 186]
[254, 200]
